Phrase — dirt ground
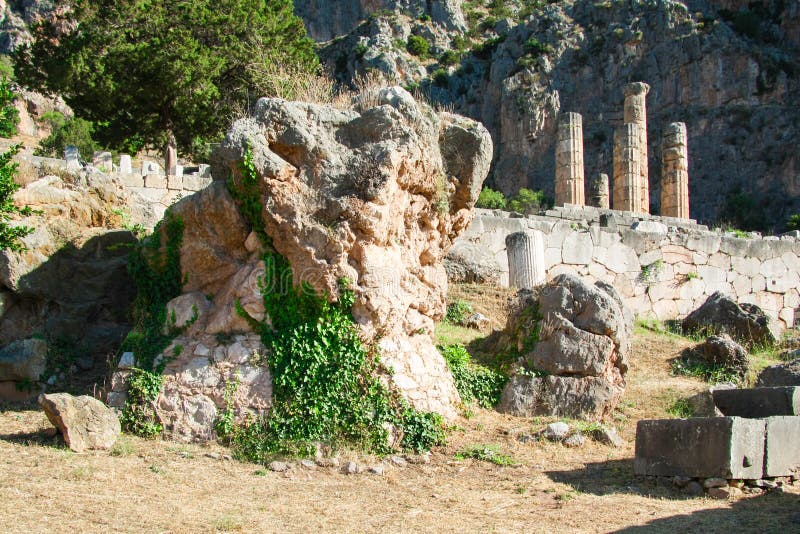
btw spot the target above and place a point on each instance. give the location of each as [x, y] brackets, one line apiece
[162, 486]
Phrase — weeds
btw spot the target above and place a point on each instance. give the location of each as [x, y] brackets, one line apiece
[486, 453]
[474, 382]
[681, 409]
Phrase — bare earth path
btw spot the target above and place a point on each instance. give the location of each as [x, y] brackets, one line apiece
[159, 486]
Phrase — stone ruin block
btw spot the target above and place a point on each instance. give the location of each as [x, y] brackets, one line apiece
[155, 181]
[724, 447]
[782, 454]
[151, 167]
[131, 180]
[73, 157]
[125, 164]
[175, 183]
[102, 161]
[195, 182]
[758, 402]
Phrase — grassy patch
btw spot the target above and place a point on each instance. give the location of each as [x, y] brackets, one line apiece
[486, 453]
[707, 372]
[681, 409]
[474, 382]
[450, 334]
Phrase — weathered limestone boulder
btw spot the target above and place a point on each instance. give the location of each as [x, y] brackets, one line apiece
[747, 323]
[584, 342]
[783, 374]
[376, 194]
[470, 263]
[722, 350]
[85, 422]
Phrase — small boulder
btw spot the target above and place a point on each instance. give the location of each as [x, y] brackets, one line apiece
[575, 440]
[746, 323]
[556, 431]
[722, 350]
[471, 263]
[608, 436]
[85, 422]
[278, 467]
[782, 374]
[477, 321]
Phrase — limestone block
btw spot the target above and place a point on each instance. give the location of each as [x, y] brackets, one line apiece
[759, 283]
[624, 284]
[552, 256]
[684, 307]
[651, 256]
[665, 309]
[131, 180]
[175, 183]
[577, 248]
[787, 315]
[155, 181]
[711, 274]
[734, 246]
[693, 289]
[746, 266]
[782, 453]
[618, 258]
[791, 261]
[773, 268]
[742, 285]
[102, 161]
[771, 302]
[559, 234]
[676, 254]
[653, 227]
[598, 272]
[725, 447]
[723, 261]
[84, 422]
[705, 243]
[783, 283]
[699, 259]
[757, 403]
[791, 299]
[561, 269]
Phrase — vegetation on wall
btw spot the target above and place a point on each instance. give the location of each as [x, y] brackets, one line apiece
[474, 382]
[326, 386]
[141, 71]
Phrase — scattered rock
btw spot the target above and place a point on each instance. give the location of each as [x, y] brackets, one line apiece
[680, 482]
[556, 431]
[351, 468]
[328, 462]
[718, 492]
[575, 440]
[608, 436]
[85, 422]
[694, 488]
[526, 438]
[782, 374]
[584, 344]
[308, 464]
[477, 321]
[746, 323]
[278, 467]
[722, 350]
[715, 482]
[377, 470]
[126, 361]
[398, 461]
[424, 458]
[213, 455]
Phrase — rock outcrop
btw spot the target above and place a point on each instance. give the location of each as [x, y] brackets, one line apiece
[84, 422]
[721, 350]
[374, 194]
[783, 374]
[574, 341]
[720, 313]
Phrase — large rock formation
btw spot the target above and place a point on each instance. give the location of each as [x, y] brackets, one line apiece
[375, 194]
[745, 322]
[574, 340]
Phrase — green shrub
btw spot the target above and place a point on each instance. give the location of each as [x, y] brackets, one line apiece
[491, 199]
[440, 78]
[418, 46]
[534, 46]
[67, 131]
[10, 235]
[450, 57]
[138, 415]
[474, 382]
[794, 222]
[485, 49]
[359, 50]
[9, 116]
[458, 311]
[528, 201]
[681, 408]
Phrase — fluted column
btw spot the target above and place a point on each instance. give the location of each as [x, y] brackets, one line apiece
[675, 171]
[525, 259]
[635, 112]
[627, 168]
[598, 192]
[569, 160]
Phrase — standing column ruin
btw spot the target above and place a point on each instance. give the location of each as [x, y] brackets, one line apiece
[635, 112]
[569, 160]
[598, 192]
[171, 156]
[525, 251]
[675, 171]
[627, 168]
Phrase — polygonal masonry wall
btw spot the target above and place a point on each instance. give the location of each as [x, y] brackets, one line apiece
[663, 267]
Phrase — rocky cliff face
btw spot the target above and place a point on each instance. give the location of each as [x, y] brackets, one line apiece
[729, 71]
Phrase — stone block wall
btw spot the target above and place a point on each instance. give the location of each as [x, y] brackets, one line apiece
[663, 267]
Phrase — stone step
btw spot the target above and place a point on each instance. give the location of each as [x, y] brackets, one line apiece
[725, 447]
[758, 402]
[782, 450]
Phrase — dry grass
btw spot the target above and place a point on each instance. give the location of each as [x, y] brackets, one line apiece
[159, 486]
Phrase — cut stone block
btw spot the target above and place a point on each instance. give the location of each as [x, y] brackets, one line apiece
[758, 402]
[782, 456]
[725, 447]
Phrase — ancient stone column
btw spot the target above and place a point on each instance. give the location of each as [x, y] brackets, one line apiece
[525, 259]
[627, 168]
[636, 113]
[171, 157]
[569, 160]
[598, 192]
[675, 172]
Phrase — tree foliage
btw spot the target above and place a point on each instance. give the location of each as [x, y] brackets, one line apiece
[9, 116]
[10, 235]
[140, 69]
